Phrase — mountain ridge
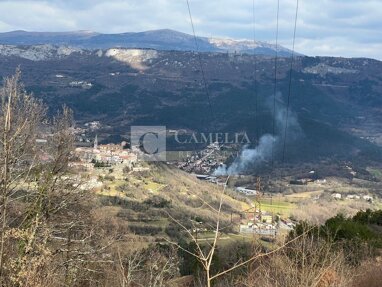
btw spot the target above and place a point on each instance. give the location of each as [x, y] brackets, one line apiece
[162, 39]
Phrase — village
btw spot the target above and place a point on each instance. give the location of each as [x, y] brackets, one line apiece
[98, 161]
[204, 161]
[265, 222]
[101, 158]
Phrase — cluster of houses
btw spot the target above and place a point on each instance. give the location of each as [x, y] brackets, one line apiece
[221, 181]
[260, 223]
[105, 155]
[246, 191]
[81, 84]
[211, 178]
[203, 162]
[82, 133]
[93, 126]
[258, 228]
[263, 224]
[307, 178]
[367, 198]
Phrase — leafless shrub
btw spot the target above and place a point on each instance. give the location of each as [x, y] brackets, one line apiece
[368, 274]
[45, 235]
[306, 262]
[153, 267]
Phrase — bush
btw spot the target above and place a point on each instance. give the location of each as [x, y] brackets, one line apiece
[99, 164]
[124, 202]
[145, 229]
[174, 231]
[355, 238]
[369, 217]
[341, 228]
[157, 202]
[109, 177]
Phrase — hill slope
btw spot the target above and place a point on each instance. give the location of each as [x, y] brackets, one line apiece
[335, 102]
[148, 203]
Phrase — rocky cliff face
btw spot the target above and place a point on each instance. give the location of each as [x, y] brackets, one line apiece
[38, 52]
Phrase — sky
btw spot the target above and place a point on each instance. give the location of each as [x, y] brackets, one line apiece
[348, 28]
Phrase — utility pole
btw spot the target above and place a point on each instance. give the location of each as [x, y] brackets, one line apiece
[258, 193]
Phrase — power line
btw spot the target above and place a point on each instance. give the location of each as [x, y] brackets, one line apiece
[275, 81]
[255, 69]
[290, 81]
[200, 63]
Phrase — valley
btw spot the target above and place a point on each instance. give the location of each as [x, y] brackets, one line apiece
[149, 198]
[111, 90]
[334, 110]
[338, 111]
[250, 157]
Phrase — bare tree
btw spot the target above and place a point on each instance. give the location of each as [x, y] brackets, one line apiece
[19, 119]
[307, 261]
[129, 267]
[46, 235]
[205, 255]
[148, 268]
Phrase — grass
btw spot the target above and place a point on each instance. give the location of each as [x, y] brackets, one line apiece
[153, 186]
[207, 238]
[378, 204]
[183, 190]
[277, 206]
[302, 195]
[111, 191]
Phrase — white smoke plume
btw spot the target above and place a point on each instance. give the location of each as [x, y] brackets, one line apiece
[263, 151]
[249, 157]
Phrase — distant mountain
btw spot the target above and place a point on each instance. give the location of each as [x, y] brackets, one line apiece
[164, 39]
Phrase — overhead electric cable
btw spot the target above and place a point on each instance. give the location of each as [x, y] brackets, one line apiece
[275, 83]
[290, 82]
[200, 63]
[255, 70]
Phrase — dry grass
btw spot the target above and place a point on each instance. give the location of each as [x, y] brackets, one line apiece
[369, 274]
[319, 211]
[307, 262]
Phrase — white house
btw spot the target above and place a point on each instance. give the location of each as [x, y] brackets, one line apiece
[337, 195]
[368, 198]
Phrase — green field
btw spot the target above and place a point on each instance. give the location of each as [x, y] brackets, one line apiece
[277, 206]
